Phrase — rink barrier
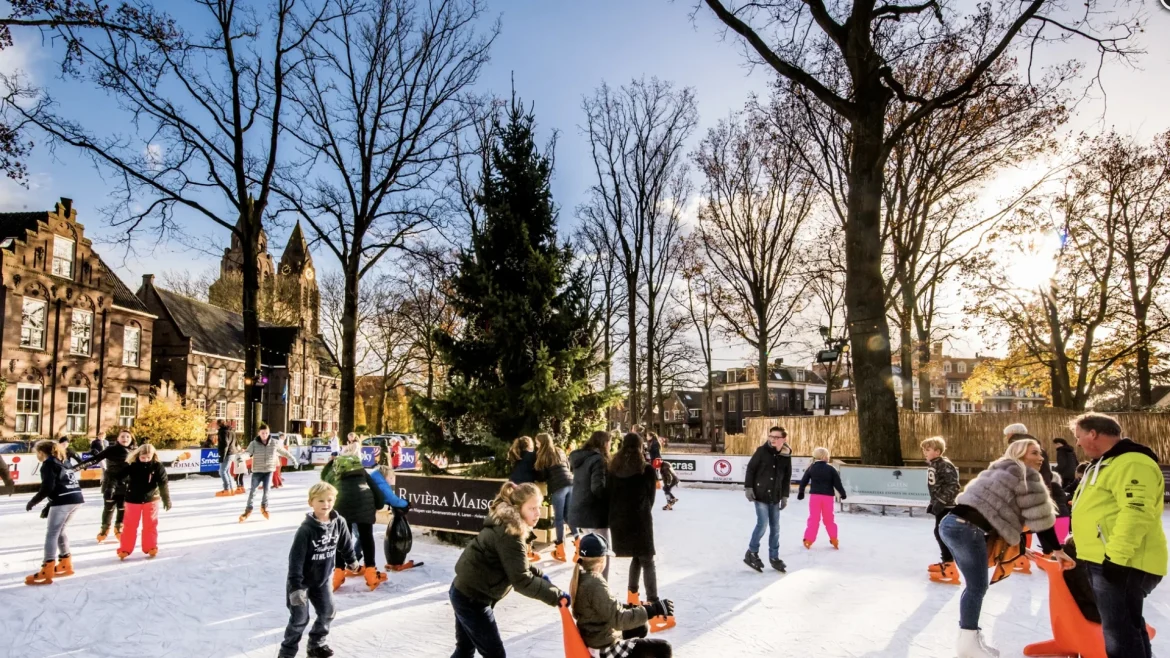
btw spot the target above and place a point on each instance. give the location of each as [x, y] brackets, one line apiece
[721, 469]
[884, 486]
[457, 504]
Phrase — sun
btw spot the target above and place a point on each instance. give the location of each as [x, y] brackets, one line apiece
[1033, 260]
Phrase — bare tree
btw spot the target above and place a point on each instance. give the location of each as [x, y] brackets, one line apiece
[380, 100]
[636, 135]
[188, 283]
[389, 334]
[603, 271]
[427, 311]
[207, 112]
[697, 296]
[845, 57]
[757, 197]
[826, 293]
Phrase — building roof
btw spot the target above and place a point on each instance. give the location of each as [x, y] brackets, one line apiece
[122, 295]
[296, 252]
[16, 224]
[1161, 396]
[691, 399]
[211, 329]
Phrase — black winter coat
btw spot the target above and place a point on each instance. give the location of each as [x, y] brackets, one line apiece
[62, 486]
[147, 482]
[1066, 463]
[824, 480]
[314, 552]
[524, 470]
[631, 525]
[655, 449]
[226, 438]
[114, 477]
[769, 473]
[358, 499]
[556, 477]
[589, 503]
[496, 561]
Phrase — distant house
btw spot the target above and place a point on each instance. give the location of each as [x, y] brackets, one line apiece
[684, 415]
[946, 388]
[75, 342]
[1161, 396]
[792, 391]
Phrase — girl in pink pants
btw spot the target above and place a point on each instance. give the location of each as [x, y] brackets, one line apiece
[823, 480]
[146, 485]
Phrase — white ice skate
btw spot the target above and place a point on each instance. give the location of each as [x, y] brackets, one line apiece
[972, 645]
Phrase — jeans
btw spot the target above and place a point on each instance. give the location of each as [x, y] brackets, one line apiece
[56, 543]
[560, 504]
[1120, 595]
[257, 480]
[148, 514]
[321, 598]
[968, 544]
[767, 515]
[475, 628]
[226, 477]
[604, 532]
[644, 564]
[944, 552]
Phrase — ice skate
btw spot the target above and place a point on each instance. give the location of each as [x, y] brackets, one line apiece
[239, 490]
[947, 572]
[533, 556]
[409, 564]
[225, 492]
[320, 651]
[753, 560]
[245, 515]
[102, 534]
[836, 545]
[779, 565]
[44, 576]
[632, 598]
[972, 645]
[122, 555]
[338, 578]
[264, 511]
[64, 567]
[374, 578]
[808, 544]
[1022, 565]
[559, 553]
[152, 552]
[118, 531]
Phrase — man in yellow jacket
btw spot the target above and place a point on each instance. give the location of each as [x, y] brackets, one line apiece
[1117, 524]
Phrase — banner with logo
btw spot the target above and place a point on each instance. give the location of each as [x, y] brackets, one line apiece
[724, 469]
[880, 485]
[447, 503]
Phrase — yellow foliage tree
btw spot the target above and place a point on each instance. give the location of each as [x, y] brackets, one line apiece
[167, 423]
[397, 413]
[1015, 371]
[359, 414]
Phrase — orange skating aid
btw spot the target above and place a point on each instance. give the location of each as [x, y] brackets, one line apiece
[574, 645]
[1073, 634]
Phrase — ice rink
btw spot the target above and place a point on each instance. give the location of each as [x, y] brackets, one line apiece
[216, 588]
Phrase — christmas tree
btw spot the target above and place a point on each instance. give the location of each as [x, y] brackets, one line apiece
[522, 362]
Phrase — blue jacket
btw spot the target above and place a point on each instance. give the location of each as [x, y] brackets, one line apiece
[387, 491]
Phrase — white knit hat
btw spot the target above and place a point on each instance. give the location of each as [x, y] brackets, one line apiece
[1015, 428]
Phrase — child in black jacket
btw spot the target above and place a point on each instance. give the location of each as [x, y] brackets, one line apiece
[62, 487]
[669, 481]
[113, 482]
[310, 564]
[824, 480]
[942, 480]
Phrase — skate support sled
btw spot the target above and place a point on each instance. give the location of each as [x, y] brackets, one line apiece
[574, 645]
[1073, 635]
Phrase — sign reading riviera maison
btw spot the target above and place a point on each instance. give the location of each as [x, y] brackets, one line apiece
[447, 503]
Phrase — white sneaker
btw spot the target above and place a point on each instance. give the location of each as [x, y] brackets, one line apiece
[971, 645]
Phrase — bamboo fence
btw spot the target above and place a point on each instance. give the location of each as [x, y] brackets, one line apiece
[970, 437]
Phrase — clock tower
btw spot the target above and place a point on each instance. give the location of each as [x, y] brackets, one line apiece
[298, 298]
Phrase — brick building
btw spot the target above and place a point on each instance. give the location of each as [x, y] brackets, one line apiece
[792, 391]
[75, 348]
[946, 387]
[683, 414]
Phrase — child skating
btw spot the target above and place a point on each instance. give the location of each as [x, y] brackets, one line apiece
[669, 481]
[323, 536]
[608, 627]
[113, 482]
[62, 487]
[822, 480]
[942, 480]
[265, 451]
[358, 502]
[146, 484]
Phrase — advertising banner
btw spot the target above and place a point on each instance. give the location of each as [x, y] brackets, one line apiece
[724, 469]
[208, 460]
[447, 503]
[903, 486]
[319, 455]
[409, 460]
[189, 460]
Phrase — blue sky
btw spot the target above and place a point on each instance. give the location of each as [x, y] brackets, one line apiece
[558, 51]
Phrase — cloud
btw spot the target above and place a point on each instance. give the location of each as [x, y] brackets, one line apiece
[154, 156]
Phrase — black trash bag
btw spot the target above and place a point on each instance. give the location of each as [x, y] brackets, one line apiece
[399, 539]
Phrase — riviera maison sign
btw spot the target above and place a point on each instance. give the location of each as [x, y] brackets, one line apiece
[447, 503]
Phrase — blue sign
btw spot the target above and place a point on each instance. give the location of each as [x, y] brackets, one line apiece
[409, 460]
[208, 460]
[370, 456]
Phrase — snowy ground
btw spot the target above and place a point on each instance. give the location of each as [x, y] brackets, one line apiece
[217, 589]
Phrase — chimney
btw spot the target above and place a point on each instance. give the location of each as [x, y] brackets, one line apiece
[67, 206]
[147, 281]
[937, 348]
[779, 363]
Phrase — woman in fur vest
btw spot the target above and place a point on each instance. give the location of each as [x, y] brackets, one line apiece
[998, 504]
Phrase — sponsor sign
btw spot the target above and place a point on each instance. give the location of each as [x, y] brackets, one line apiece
[370, 456]
[728, 469]
[447, 503]
[189, 460]
[901, 486]
[319, 455]
[409, 459]
[209, 460]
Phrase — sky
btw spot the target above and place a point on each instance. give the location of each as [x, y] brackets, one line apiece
[555, 53]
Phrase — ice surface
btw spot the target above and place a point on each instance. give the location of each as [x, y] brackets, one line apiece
[217, 588]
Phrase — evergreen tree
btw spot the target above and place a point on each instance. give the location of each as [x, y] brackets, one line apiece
[522, 363]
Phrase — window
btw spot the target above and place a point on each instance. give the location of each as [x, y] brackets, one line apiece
[127, 409]
[201, 375]
[223, 377]
[694, 413]
[239, 411]
[28, 408]
[62, 257]
[719, 403]
[731, 402]
[32, 323]
[799, 375]
[76, 411]
[81, 334]
[221, 409]
[947, 367]
[296, 384]
[201, 405]
[296, 412]
[962, 368]
[744, 422]
[240, 382]
[954, 389]
[131, 337]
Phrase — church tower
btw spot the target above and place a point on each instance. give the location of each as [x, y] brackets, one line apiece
[298, 297]
[227, 291]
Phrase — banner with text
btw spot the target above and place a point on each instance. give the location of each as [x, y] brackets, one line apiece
[902, 486]
[447, 503]
[728, 469]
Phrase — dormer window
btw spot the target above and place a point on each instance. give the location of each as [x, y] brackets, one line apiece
[962, 368]
[947, 367]
[62, 257]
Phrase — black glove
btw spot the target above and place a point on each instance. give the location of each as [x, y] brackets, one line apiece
[167, 506]
[659, 608]
[565, 600]
[1113, 572]
[29, 506]
[45, 512]
[751, 495]
[799, 496]
[783, 503]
